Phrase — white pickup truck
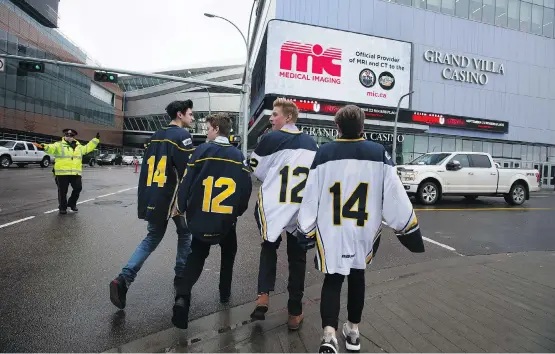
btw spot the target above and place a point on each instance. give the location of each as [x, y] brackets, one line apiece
[22, 153]
[468, 174]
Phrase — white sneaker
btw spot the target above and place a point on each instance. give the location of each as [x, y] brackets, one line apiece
[328, 344]
[352, 337]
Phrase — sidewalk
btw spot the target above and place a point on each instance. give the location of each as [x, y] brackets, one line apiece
[494, 303]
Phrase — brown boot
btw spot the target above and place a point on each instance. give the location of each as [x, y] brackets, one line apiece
[294, 322]
[261, 308]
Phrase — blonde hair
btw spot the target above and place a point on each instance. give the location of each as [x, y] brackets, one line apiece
[288, 108]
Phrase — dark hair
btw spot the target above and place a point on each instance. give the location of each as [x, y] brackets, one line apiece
[178, 106]
[350, 120]
[220, 120]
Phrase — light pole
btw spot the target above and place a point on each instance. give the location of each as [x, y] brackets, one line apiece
[209, 103]
[394, 150]
[246, 87]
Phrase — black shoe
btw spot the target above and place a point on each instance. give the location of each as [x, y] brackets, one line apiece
[74, 209]
[63, 211]
[180, 318]
[328, 345]
[118, 292]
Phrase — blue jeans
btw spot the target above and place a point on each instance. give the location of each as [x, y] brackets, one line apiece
[155, 234]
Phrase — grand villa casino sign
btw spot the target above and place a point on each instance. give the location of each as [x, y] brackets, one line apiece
[333, 133]
[464, 69]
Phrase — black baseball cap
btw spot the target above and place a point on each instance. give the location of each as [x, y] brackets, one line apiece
[70, 131]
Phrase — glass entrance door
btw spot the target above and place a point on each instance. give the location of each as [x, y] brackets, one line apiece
[548, 175]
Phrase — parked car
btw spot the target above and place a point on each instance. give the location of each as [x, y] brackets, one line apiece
[109, 159]
[22, 153]
[90, 159]
[128, 159]
[468, 174]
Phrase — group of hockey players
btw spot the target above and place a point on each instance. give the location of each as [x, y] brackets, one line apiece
[332, 198]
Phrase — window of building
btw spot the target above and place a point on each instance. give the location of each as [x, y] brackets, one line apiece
[448, 145]
[497, 150]
[516, 151]
[408, 143]
[480, 161]
[402, 2]
[513, 13]
[434, 5]
[476, 10]
[501, 12]
[548, 18]
[537, 2]
[461, 8]
[487, 147]
[525, 16]
[467, 145]
[434, 144]
[421, 144]
[549, 3]
[448, 7]
[507, 150]
[488, 12]
[537, 19]
[477, 146]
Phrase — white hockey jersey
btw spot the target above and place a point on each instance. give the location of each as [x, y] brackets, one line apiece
[282, 162]
[353, 185]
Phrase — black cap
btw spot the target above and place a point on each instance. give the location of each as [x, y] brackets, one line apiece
[70, 131]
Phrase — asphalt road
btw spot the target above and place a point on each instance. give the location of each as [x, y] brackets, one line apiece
[55, 270]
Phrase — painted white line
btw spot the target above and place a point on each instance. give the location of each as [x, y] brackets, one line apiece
[84, 201]
[439, 244]
[51, 211]
[106, 195]
[17, 221]
[125, 190]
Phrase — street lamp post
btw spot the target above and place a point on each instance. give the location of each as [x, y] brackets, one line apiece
[394, 150]
[246, 87]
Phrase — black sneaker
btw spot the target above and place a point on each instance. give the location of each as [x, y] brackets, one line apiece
[63, 211]
[328, 344]
[74, 209]
[352, 338]
[180, 318]
[118, 292]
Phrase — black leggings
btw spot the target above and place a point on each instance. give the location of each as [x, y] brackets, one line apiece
[331, 293]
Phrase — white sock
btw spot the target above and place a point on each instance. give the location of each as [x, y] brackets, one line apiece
[352, 326]
[329, 331]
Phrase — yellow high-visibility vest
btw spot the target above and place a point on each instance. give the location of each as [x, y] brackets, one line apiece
[68, 160]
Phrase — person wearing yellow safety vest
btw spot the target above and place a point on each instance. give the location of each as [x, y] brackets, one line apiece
[68, 166]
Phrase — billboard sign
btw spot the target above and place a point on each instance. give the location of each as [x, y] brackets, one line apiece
[328, 64]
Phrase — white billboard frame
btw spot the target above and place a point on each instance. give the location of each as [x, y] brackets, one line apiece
[316, 65]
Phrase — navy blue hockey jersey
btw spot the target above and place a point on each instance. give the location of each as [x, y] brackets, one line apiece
[163, 167]
[215, 190]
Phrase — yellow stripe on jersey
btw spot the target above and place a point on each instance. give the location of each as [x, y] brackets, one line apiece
[321, 254]
[218, 159]
[264, 230]
[171, 142]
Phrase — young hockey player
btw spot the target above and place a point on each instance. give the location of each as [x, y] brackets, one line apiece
[281, 161]
[163, 166]
[352, 185]
[214, 193]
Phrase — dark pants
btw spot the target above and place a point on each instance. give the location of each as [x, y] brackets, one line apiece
[296, 257]
[63, 183]
[195, 265]
[331, 298]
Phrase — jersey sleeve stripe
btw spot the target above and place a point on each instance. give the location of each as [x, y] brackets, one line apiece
[309, 234]
[375, 244]
[321, 252]
[171, 142]
[246, 170]
[264, 229]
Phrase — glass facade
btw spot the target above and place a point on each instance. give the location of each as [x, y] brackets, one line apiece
[154, 122]
[60, 92]
[532, 16]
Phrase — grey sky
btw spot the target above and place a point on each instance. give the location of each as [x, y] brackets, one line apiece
[155, 35]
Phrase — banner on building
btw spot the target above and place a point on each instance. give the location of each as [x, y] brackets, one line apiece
[309, 61]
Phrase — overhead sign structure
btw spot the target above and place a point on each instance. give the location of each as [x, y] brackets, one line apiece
[328, 64]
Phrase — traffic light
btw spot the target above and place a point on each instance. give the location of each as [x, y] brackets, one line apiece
[31, 66]
[101, 76]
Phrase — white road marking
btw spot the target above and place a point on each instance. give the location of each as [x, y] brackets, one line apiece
[435, 242]
[51, 211]
[125, 190]
[17, 221]
[84, 201]
[106, 195]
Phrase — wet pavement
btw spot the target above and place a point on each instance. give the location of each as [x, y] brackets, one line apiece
[55, 270]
